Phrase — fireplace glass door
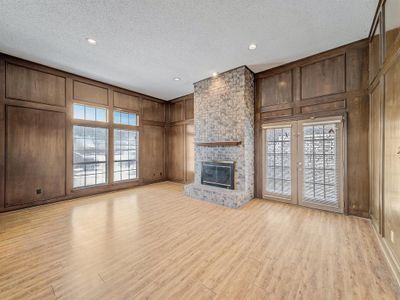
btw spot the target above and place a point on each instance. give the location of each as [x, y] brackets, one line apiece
[303, 163]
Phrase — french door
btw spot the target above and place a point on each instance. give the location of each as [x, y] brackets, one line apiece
[303, 163]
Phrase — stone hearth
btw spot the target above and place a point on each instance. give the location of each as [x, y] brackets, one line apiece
[224, 112]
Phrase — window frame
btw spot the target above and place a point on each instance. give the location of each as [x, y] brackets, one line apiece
[127, 127]
[298, 160]
[93, 124]
[340, 158]
[128, 160]
[273, 196]
[106, 162]
[74, 120]
[110, 125]
[128, 111]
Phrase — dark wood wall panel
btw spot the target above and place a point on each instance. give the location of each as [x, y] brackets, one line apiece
[90, 93]
[277, 113]
[189, 108]
[276, 89]
[153, 111]
[36, 151]
[176, 153]
[331, 83]
[329, 106]
[180, 137]
[357, 68]
[177, 111]
[391, 188]
[35, 167]
[375, 51]
[153, 160]
[357, 155]
[322, 78]
[31, 85]
[125, 101]
[189, 153]
[384, 144]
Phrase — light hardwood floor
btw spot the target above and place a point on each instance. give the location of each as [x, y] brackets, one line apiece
[152, 242]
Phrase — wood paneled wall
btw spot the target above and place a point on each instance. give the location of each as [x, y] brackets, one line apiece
[330, 83]
[180, 162]
[384, 45]
[36, 132]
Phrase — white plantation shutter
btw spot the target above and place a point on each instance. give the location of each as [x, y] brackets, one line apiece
[278, 178]
[322, 164]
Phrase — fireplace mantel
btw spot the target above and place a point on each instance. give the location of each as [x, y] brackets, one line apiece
[219, 144]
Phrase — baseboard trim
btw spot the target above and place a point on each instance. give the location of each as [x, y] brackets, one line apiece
[389, 256]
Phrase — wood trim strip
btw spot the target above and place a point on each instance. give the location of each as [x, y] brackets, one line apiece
[184, 122]
[69, 138]
[152, 123]
[219, 144]
[30, 104]
[2, 130]
[388, 254]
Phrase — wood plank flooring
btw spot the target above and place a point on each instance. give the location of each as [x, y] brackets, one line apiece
[154, 243]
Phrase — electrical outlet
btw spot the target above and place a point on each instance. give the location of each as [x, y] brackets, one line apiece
[38, 191]
[392, 236]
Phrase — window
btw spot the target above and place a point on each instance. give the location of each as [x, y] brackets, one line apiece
[89, 156]
[125, 118]
[125, 154]
[90, 113]
[278, 160]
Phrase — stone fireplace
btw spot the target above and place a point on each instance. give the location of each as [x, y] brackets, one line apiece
[224, 133]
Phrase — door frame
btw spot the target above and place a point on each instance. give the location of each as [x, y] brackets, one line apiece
[341, 156]
[293, 163]
[297, 156]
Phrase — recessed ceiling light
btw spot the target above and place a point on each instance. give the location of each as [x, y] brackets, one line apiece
[177, 78]
[215, 74]
[252, 47]
[91, 41]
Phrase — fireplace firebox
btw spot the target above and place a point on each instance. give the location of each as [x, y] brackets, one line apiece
[218, 173]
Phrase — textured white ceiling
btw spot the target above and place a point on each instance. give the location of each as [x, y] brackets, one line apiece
[143, 44]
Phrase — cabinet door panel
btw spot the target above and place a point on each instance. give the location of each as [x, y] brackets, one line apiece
[35, 151]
